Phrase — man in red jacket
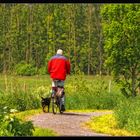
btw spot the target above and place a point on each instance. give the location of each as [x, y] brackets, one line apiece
[58, 68]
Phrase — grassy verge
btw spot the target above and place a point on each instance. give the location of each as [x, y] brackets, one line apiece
[43, 132]
[26, 114]
[107, 124]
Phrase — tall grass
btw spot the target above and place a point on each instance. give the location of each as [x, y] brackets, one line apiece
[23, 93]
[82, 92]
[91, 92]
[127, 114]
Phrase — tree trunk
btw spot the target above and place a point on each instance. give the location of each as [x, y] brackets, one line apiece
[69, 11]
[48, 23]
[89, 36]
[29, 48]
[98, 22]
[74, 40]
[5, 50]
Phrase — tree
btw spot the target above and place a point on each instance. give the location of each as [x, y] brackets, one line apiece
[33, 32]
[121, 28]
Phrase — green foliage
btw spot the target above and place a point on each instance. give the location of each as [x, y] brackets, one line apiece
[25, 69]
[42, 71]
[21, 100]
[82, 92]
[87, 94]
[12, 126]
[121, 33]
[127, 114]
[40, 29]
[42, 91]
[38, 130]
[44, 132]
[18, 128]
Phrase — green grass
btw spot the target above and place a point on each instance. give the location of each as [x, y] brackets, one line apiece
[23, 82]
[82, 92]
[24, 115]
[43, 132]
[127, 113]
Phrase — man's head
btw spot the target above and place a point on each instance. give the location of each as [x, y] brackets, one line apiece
[59, 51]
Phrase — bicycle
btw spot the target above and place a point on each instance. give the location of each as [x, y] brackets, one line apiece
[57, 100]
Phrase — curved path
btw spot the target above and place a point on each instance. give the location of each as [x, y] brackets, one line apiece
[68, 123]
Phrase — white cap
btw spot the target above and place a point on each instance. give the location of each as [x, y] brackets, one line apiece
[59, 51]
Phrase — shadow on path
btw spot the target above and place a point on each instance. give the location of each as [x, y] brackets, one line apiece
[72, 114]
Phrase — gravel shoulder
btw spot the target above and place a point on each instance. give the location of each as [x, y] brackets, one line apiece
[68, 123]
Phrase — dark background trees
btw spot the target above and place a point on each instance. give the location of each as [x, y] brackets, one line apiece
[31, 34]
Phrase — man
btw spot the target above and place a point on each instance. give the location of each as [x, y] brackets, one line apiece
[58, 68]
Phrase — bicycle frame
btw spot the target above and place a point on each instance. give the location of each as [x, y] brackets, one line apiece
[56, 100]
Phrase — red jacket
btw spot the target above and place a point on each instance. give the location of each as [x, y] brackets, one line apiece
[58, 67]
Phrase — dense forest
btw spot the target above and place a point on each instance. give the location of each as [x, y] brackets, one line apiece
[31, 33]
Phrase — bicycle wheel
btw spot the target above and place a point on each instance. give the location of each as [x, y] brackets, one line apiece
[54, 105]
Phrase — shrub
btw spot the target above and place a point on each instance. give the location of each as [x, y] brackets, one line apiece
[12, 126]
[42, 71]
[25, 69]
[127, 114]
[19, 128]
[21, 100]
[82, 93]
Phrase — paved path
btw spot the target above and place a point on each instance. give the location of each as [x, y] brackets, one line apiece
[68, 123]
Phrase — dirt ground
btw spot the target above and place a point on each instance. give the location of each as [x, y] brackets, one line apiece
[68, 123]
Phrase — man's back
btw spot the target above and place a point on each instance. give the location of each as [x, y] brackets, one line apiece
[58, 67]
